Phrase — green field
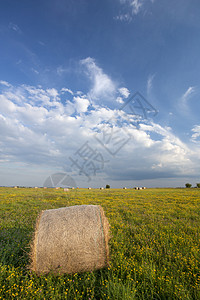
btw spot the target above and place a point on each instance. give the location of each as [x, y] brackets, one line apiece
[154, 249]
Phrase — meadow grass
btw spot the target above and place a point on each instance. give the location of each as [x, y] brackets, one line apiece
[154, 249]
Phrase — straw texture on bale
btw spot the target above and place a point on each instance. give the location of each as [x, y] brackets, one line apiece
[70, 240]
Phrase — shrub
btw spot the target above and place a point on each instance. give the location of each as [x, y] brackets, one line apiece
[188, 185]
[107, 186]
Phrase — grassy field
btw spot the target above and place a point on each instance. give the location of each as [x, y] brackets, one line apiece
[154, 250]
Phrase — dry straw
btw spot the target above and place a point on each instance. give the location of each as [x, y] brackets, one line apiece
[70, 240]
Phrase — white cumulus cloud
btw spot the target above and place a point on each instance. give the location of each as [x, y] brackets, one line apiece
[196, 133]
[4, 83]
[81, 104]
[103, 86]
[124, 92]
[63, 90]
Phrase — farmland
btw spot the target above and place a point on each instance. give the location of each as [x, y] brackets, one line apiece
[154, 246]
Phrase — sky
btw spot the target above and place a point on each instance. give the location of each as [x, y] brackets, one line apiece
[99, 92]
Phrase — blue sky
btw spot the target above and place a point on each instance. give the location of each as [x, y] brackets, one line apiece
[66, 69]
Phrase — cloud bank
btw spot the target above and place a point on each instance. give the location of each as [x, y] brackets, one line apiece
[44, 127]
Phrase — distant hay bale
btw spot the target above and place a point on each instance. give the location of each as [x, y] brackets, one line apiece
[144, 188]
[44, 187]
[89, 188]
[124, 188]
[139, 188]
[66, 190]
[15, 187]
[70, 240]
[136, 188]
[72, 188]
[36, 187]
[101, 188]
[57, 188]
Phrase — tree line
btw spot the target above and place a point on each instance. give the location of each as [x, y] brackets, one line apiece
[189, 185]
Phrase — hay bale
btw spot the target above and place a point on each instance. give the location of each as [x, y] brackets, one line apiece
[101, 188]
[144, 188]
[89, 188]
[124, 188]
[70, 240]
[66, 190]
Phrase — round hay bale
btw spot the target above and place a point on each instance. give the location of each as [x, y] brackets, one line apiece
[70, 240]
[66, 190]
[89, 188]
[124, 188]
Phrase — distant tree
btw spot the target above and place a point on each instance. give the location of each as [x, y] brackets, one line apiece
[188, 185]
[198, 185]
[107, 186]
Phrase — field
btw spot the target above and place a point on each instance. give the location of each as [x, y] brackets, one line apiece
[154, 249]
